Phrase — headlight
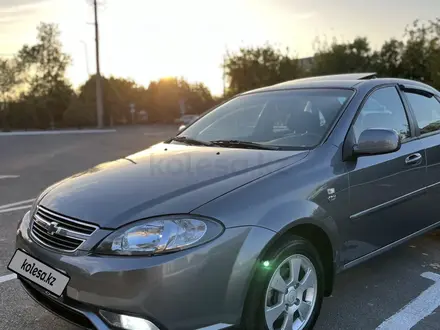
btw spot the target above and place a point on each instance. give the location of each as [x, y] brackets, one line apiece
[34, 207]
[31, 212]
[160, 235]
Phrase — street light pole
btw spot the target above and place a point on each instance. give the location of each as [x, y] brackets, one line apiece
[225, 54]
[86, 53]
[99, 106]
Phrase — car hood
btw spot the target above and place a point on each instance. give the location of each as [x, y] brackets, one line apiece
[164, 179]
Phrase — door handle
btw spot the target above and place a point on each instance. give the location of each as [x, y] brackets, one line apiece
[413, 159]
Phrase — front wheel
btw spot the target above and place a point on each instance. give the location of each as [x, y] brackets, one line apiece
[288, 291]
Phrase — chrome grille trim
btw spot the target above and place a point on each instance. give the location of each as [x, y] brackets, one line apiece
[66, 232]
[87, 228]
[58, 232]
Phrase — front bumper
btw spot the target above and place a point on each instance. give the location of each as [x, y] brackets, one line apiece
[190, 289]
[70, 310]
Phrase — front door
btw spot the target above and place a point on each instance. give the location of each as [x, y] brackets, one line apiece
[426, 108]
[385, 190]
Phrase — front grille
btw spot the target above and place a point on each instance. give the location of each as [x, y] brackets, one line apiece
[59, 232]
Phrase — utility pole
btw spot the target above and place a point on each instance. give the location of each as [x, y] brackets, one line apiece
[99, 106]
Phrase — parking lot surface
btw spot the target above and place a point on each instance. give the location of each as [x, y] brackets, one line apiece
[397, 290]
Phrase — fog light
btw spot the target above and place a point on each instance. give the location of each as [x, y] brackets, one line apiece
[127, 322]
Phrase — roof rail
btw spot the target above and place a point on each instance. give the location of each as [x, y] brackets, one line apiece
[368, 76]
[345, 76]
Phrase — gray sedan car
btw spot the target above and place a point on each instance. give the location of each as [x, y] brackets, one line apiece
[245, 217]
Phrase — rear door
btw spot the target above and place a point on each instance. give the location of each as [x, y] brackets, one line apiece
[426, 109]
[386, 191]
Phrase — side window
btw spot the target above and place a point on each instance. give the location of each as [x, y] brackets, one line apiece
[383, 109]
[427, 112]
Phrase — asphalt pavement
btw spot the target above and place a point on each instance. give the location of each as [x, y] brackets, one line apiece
[397, 290]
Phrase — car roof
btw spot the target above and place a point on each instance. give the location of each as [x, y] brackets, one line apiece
[349, 80]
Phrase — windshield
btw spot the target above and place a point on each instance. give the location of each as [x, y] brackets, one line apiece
[290, 119]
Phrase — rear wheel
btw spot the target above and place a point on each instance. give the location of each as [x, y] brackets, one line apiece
[288, 290]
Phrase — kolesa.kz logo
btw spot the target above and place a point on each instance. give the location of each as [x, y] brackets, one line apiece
[38, 273]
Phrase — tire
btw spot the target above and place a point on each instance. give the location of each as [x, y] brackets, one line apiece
[262, 296]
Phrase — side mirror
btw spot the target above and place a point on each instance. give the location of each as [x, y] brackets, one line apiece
[182, 127]
[377, 141]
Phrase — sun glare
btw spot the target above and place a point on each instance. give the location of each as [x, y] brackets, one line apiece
[147, 40]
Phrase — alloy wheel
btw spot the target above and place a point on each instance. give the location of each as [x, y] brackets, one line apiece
[291, 294]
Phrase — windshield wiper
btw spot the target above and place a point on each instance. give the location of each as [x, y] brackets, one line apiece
[243, 144]
[189, 141]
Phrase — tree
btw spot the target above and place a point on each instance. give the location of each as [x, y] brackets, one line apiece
[420, 57]
[163, 99]
[46, 65]
[79, 113]
[119, 93]
[416, 57]
[165, 96]
[10, 79]
[338, 58]
[199, 98]
[34, 91]
[388, 61]
[256, 67]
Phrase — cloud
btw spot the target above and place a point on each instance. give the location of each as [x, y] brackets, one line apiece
[306, 15]
[4, 20]
[15, 3]
[13, 11]
[14, 7]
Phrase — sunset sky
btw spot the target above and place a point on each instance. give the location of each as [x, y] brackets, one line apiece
[148, 39]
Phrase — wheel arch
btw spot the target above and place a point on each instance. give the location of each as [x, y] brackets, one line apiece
[319, 237]
[308, 229]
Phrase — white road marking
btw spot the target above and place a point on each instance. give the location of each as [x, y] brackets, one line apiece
[419, 308]
[16, 203]
[9, 177]
[217, 326]
[88, 131]
[153, 133]
[15, 208]
[7, 278]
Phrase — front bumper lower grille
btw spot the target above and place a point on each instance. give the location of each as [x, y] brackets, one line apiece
[58, 308]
